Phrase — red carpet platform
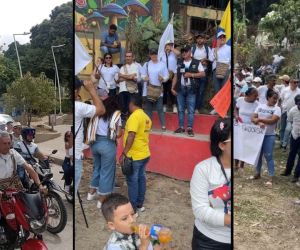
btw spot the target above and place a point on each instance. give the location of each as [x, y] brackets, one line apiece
[176, 155]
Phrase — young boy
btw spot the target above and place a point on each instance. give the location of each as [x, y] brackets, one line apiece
[120, 217]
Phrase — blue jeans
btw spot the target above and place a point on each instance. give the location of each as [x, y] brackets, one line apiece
[219, 83]
[158, 105]
[186, 97]
[201, 92]
[267, 151]
[104, 154]
[287, 134]
[105, 50]
[137, 183]
[78, 173]
[294, 151]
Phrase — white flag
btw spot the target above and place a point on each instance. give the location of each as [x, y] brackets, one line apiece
[82, 58]
[168, 35]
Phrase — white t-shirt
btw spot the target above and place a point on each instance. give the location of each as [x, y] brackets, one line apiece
[102, 128]
[32, 147]
[287, 97]
[82, 110]
[133, 68]
[266, 112]
[172, 61]
[207, 185]
[6, 163]
[200, 53]
[154, 70]
[110, 75]
[238, 87]
[187, 66]
[280, 87]
[15, 141]
[262, 92]
[246, 109]
[223, 55]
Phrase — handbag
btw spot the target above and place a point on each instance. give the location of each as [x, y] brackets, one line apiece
[127, 166]
[131, 85]
[221, 68]
[153, 91]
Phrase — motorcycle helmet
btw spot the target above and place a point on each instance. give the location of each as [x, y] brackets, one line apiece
[27, 131]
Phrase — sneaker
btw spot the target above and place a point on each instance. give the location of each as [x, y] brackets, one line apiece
[294, 180]
[179, 131]
[255, 177]
[164, 129]
[141, 209]
[165, 108]
[99, 204]
[190, 132]
[213, 112]
[90, 196]
[175, 109]
[298, 183]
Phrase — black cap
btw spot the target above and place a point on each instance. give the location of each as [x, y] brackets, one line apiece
[153, 51]
[202, 35]
[186, 48]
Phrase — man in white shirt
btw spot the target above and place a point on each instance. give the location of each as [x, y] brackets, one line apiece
[129, 77]
[262, 90]
[286, 102]
[294, 118]
[285, 83]
[83, 110]
[9, 159]
[170, 59]
[155, 73]
[185, 86]
[203, 53]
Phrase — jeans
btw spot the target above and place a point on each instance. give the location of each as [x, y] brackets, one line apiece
[219, 83]
[68, 171]
[104, 154]
[137, 183]
[202, 242]
[201, 92]
[294, 150]
[104, 50]
[186, 97]
[78, 173]
[287, 134]
[267, 151]
[168, 93]
[150, 106]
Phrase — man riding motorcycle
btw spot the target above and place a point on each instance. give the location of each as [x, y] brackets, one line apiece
[9, 159]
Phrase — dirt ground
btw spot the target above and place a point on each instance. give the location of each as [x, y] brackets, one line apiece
[266, 218]
[167, 203]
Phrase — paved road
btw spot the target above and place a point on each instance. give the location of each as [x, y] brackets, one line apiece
[64, 240]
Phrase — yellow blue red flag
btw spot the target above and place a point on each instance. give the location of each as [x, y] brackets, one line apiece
[225, 25]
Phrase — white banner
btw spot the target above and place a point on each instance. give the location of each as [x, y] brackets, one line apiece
[82, 58]
[248, 141]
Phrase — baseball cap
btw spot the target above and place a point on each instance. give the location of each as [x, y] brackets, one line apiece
[186, 48]
[257, 79]
[221, 33]
[284, 78]
[153, 51]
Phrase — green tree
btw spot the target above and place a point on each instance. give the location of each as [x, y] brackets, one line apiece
[8, 73]
[34, 95]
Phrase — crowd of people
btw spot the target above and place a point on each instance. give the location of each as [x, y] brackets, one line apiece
[123, 100]
[273, 103]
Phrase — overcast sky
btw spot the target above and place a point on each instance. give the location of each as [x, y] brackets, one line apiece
[20, 15]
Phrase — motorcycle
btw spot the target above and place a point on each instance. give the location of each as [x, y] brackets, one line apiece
[57, 218]
[22, 214]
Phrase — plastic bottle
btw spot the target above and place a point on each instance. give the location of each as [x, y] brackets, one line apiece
[157, 232]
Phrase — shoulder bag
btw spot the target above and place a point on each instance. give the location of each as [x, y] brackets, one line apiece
[153, 92]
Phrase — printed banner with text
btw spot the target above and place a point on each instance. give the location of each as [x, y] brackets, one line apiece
[248, 139]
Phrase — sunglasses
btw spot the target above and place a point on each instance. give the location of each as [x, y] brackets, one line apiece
[108, 57]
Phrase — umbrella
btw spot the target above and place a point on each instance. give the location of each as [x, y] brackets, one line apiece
[95, 16]
[135, 6]
[114, 11]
